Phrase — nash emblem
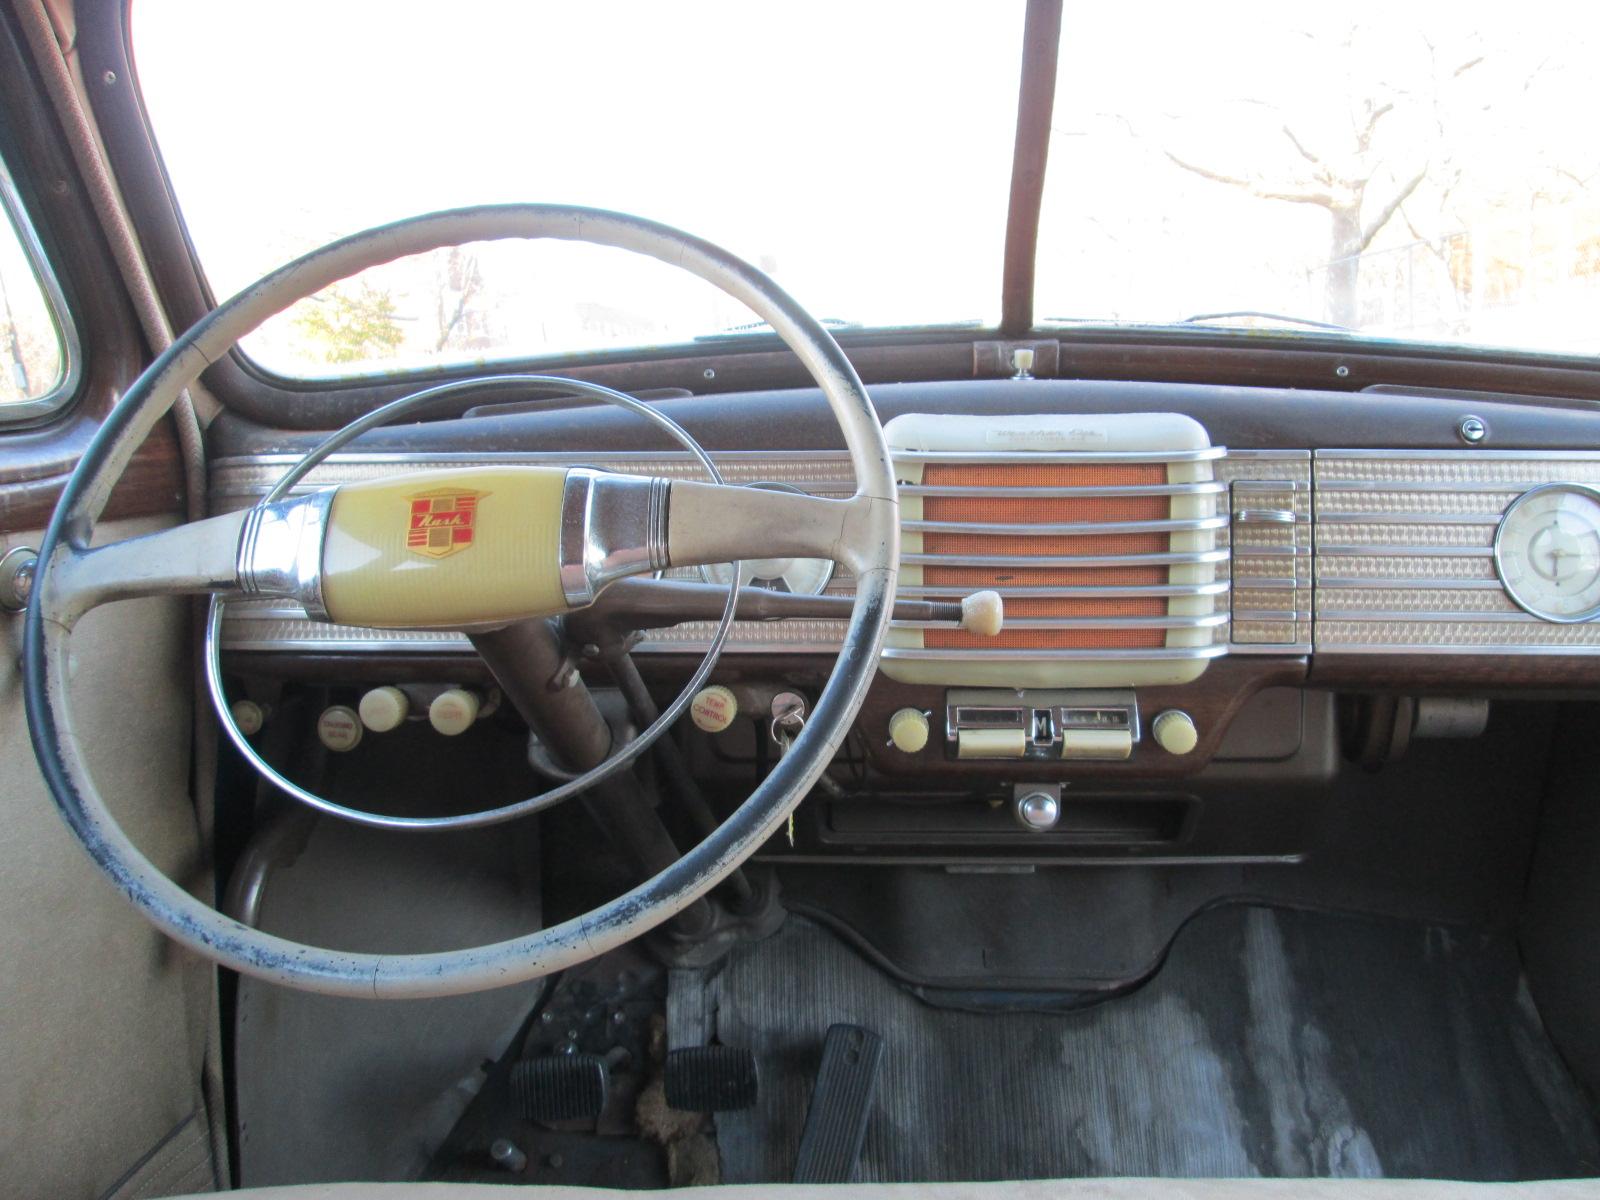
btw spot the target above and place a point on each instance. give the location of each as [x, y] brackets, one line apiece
[442, 521]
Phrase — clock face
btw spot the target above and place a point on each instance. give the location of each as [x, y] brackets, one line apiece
[1547, 552]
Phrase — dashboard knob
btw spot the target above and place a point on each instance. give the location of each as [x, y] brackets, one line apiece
[1037, 811]
[453, 712]
[1174, 732]
[339, 728]
[713, 708]
[908, 730]
[383, 708]
[248, 716]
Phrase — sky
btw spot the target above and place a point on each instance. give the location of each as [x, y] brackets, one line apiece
[860, 152]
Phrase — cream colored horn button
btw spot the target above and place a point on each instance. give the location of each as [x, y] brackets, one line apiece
[453, 712]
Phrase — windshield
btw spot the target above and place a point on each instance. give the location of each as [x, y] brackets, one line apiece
[1388, 171]
[1407, 171]
[859, 153]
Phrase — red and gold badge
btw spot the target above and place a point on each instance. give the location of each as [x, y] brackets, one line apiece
[442, 521]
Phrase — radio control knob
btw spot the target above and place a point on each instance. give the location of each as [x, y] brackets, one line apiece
[453, 712]
[713, 708]
[339, 728]
[383, 709]
[248, 716]
[1037, 811]
[908, 730]
[1174, 732]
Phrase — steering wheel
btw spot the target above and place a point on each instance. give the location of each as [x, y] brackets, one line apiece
[538, 541]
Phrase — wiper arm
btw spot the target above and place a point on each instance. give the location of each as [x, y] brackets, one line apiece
[1246, 313]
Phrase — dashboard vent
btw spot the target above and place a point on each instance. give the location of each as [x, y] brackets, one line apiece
[1101, 533]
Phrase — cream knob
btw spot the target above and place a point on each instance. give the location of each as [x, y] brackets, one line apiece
[713, 708]
[908, 730]
[1174, 732]
[453, 712]
[339, 728]
[383, 708]
[248, 716]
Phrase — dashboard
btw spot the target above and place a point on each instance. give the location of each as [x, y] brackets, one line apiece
[1191, 574]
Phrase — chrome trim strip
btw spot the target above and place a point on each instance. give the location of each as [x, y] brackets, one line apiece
[1487, 649]
[1052, 457]
[1463, 455]
[1443, 615]
[1353, 582]
[1412, 518]
[1356, 549]
[1002, 492]
[1206, 621]
[1066, 528]
[1151, 654]
[1417, 485]
[1066, 560]
[1274, 615]
[1069, 591]
[71, 368]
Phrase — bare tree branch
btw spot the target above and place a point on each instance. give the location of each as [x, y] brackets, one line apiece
[1300, 146]
[1384, 214]
[1254, 187]
[1375, 113]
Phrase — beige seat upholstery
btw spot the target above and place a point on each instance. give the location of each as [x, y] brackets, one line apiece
[1046, 1189]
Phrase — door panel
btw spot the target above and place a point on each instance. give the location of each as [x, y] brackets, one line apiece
[103, 1022]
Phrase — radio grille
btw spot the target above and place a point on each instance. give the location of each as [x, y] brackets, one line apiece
[1066, 504]
[1107, 558]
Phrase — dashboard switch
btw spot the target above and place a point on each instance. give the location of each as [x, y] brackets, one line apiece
[1113, 744]
[339, 728]
[908, 730]
[453, 712]
[1174, 732]
[713, 708]
[383, 708]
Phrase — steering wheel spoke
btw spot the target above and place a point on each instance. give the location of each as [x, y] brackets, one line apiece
[193, 559]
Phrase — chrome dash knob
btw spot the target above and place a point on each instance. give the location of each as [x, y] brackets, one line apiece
[1037, 811]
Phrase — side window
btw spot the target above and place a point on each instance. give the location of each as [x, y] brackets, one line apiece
[38, 347]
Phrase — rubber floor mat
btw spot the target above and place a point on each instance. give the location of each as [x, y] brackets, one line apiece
[1270, 1043]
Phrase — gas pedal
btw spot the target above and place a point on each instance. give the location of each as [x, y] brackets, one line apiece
[841, 1103]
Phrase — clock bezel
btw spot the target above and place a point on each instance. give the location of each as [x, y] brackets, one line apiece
[1588, 614]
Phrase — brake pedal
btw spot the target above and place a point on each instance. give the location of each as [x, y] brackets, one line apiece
[841, 1103]
[710, 1079]
[560, 1087]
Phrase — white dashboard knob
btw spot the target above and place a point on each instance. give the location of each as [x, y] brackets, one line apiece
[248, 716]
[339, 728]
[713, 708]
[453, 712]
[383, 709]
[908, 731]
[1174, 732]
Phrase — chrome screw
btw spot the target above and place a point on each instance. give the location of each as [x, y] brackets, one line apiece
[1472, 430]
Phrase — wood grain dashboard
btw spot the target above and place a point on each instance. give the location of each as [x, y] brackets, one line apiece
[1376, 570]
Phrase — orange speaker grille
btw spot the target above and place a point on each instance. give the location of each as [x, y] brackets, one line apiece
[1049, 510]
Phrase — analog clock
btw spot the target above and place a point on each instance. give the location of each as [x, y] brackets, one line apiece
[1547, 552]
